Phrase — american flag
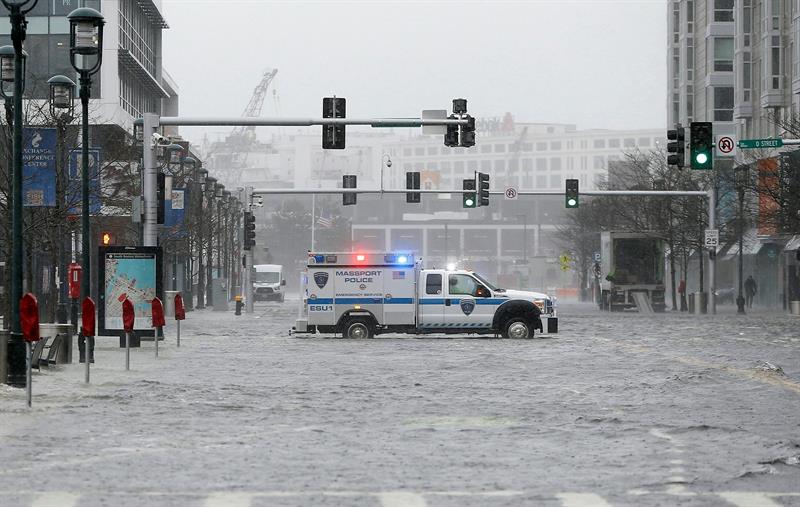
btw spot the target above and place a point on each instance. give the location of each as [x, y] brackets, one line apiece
[324, 220]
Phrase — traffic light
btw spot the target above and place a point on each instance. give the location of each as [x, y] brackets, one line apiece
[412, 183]
[468, 132]
[349, 181]
[571, 193]
[677, 149]
[451, 136]
[106, 238]
[469, 197]
[701, 144]
[333, 135]
[482, 180]
[249, 230]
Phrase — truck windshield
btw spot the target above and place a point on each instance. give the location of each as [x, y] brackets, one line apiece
[267, 277]
[485, 282]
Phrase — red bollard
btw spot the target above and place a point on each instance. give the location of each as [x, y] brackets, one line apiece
[157, 314]
[180, 314]
[128, 318]
[29, 321]
[87, 329]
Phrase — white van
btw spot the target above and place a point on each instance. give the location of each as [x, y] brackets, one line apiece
[268, 282]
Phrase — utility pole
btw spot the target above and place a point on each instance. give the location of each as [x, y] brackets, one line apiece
[248, 258]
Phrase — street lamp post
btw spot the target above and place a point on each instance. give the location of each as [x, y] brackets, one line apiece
[228, 205]
[220, 202]
[62, 110]
[201, 274]
[86, 56]
[211, 192]
[16, 375]
[740, 174]
[174, 166]
[189, 164]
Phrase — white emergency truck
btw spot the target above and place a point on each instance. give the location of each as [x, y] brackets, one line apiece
[359, 295]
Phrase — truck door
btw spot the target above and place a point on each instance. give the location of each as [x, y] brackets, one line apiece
[468, 303]
[431, 299]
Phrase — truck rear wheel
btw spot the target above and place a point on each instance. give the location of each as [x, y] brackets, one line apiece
[357, 329]
[518, 328]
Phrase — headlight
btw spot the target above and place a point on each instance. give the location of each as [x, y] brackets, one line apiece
[539, 303]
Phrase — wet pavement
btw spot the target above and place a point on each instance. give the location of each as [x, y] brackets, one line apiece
[617, 409]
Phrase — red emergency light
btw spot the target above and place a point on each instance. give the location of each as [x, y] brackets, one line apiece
[361, 258]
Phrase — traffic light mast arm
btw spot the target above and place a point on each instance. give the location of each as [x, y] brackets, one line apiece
[339, 191]
[303, 122]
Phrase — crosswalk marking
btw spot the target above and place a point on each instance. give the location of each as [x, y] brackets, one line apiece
[742, 499]
[582, 500]
[402, 499]
[55, 499]
[229, 500]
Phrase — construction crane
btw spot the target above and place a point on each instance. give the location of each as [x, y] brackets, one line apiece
[230, 157]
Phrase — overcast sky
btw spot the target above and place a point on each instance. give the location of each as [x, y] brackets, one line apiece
[595, 63]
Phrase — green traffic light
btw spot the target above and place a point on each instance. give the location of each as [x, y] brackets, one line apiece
[469, 203]
[572, 202]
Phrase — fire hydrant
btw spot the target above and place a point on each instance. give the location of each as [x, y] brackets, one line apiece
[239, 305]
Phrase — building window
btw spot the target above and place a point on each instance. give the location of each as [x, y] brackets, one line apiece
[486, 165]
[499, 148]
[723, 54]
[419, 152]
[555, 145]
[629, 142]
[599, 163]
[644, 142]
[407, 152]
[541, 146]
[500, 165]
[613, 143]
[723, 10]
[541, 164]
[599, 144]
[723, 103]
[433, 151]
[555, 164]
[555, 181]
[541, 182]
[472, 165]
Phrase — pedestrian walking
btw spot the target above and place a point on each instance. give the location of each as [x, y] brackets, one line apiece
[750, 289]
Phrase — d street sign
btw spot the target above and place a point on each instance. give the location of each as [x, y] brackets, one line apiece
[511, 193]
[760, 143]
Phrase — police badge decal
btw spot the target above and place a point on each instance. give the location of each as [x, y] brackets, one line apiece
[467, 306]
[321, 279]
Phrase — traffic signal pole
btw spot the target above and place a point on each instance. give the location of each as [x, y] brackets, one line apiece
[249, 304]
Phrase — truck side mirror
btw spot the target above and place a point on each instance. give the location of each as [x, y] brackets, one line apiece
[283, 282]
[482, 292]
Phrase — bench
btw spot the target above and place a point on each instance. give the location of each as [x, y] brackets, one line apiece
[36, 354]
[53, 352]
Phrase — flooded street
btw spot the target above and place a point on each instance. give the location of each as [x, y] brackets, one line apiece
[617, 409]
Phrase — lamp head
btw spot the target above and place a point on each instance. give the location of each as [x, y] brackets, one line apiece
[62, 92]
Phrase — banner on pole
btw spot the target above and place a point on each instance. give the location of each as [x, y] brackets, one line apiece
[39, 167]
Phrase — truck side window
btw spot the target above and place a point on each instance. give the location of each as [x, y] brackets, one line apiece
[463, 284]
[433, 284]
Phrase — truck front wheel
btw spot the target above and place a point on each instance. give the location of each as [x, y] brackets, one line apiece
[518, 328]
[357, 329]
